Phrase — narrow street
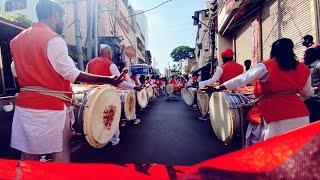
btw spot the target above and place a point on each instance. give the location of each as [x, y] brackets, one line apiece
[169, 133]
[251, 66]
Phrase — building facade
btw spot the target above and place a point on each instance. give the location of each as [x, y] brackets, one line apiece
[203, 48]
[206, 46]
[26, 7]
[250, 27]
[114, 22]
[186, 67]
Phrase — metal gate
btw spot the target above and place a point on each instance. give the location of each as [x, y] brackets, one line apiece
[286, 18]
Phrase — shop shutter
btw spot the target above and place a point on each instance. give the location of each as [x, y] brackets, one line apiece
[286, 18]
[244, 43]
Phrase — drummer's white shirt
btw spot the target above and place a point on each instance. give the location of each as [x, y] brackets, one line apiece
[49, 124]
[125, 84]
[216, 76]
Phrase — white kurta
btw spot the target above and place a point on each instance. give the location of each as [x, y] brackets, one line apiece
[41, 131]
[216, 76]
[126, 84]
[260, 72]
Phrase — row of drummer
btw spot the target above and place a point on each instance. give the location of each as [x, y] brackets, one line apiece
[283, 88]
[145, 88]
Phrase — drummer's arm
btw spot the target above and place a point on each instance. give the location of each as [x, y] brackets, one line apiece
[115, 72]
[138, 82]
[216, 76]
[95, 79]
[258, 72]
[61, 62]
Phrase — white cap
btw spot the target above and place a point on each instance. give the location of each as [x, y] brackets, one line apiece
[102, 46]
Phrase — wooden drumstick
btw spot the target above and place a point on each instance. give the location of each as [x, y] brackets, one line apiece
[123, 73]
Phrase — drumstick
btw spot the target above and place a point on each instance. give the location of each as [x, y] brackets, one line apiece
[122, 75]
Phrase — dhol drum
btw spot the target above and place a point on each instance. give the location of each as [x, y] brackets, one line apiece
[128, 102]
[155, 91]
[203, 102]
[98, 116]
[188, 95]
[149, 92]
[142, 98]
[170, 89]
[227, 114]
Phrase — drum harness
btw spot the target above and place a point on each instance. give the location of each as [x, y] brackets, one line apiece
[261, 97]
[63, 95]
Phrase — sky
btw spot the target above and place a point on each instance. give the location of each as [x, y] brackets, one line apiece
[170, 26]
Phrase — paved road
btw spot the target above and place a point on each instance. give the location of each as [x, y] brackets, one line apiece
[169, 133]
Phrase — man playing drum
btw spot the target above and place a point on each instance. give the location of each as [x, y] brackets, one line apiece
[104, 66]
[281, 81]
[193, 81]
[172, 84]
[312, 60]
[42, 117]
[227, 71]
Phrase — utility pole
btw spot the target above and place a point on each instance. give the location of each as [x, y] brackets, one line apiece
[212, 32]
[115, 16]
[90, 23]
[78, 35]
[95, 27]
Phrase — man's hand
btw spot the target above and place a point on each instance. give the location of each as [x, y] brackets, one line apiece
[211, 89]
[123, 73]
[138, 88]
[125, 70]
[114, 80]
[195, 85]
[96, 79]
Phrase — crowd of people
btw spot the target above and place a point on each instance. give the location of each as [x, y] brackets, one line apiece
[42, 123]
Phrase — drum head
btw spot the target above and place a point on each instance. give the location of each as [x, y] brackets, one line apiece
[203, 102]
[223, 116]
[169, 89]
[102, 116]
[187, 96]
[155, 91]
[142, 98]
[129, 105]
[150, 92]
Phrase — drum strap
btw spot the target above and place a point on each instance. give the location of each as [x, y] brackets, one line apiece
[63, 95]
[268, 95]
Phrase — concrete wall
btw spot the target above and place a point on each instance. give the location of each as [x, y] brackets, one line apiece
[223, 42]
[186, 66]
[69, 30]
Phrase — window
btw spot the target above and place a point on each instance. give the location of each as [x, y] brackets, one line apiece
[13, 5]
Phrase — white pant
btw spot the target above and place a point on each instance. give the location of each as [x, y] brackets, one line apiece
[263, 131]
[279, 127]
